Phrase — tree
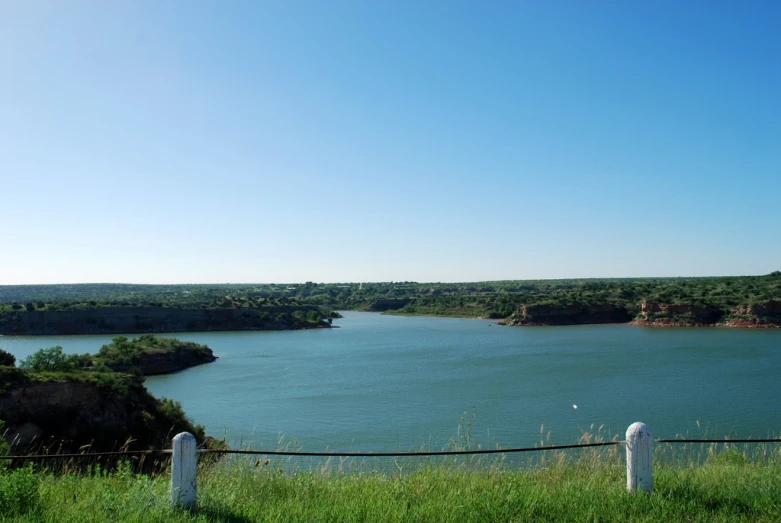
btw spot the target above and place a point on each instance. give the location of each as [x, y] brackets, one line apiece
[55, 359]
[7, 359]
[52, 358]
[30, 307]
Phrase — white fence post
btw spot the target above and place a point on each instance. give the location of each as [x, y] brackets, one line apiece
[184, 466]
[639, 446]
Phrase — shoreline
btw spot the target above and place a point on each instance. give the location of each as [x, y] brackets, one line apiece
[633, 323]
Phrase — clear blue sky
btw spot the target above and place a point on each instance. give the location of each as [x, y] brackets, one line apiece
[183, 141]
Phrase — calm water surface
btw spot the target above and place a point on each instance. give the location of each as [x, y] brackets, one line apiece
[387, 383]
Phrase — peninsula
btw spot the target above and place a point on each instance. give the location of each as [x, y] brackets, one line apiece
[93, 317]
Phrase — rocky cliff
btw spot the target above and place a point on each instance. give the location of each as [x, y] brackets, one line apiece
[757, 315]
[676, 315]
[575, 314]
[652, 314]
[110, 320]
[764, 314]
[104, 411]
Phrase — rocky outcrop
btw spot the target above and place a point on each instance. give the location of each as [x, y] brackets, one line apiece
[576, 314]
[770, 308]
[104, 411]
[128, 320]
[652, 314]
[676, 315]
[765, 314]
[387, 304]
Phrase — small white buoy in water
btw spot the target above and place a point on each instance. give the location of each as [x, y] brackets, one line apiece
[574, 406]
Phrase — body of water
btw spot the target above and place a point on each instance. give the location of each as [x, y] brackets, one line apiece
[383, 383]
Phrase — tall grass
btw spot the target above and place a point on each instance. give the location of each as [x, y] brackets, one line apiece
[707, 483]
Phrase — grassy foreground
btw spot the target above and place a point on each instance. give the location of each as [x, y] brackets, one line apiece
[731, 489]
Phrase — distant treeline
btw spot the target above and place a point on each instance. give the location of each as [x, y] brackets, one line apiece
[494, 299]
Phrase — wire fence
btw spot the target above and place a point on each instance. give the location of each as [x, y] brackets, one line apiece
[183, 462]
[294, 453]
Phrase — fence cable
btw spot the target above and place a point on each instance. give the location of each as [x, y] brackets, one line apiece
[403, 454]
[91, 454]
[718, 441]
[375, 454]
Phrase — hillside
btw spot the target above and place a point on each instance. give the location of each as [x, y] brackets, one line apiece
[102, 410]
[108, 319]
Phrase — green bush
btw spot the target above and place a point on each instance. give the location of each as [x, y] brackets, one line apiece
[18, 492]
[728, 457]
[111, 383]
[173, 410]
[54, 359]
[7, 359]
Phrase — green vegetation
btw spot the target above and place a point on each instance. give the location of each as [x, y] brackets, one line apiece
[19, 493]
[98, 295]
[139, 355]
[496, 299]
[114, 410]
[78, 401]
[7, 359]
[5, 447]
[501, 299]
[111, 382]
[54, 359]
[207, 309]
[122, 351]
[587, 489]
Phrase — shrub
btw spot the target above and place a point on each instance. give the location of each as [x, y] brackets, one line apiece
[173, 410]
[18, 492]
[111, 383]
[55, 359]
[7, 359]
[728, 457]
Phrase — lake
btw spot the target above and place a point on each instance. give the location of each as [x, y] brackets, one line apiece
[385, 383]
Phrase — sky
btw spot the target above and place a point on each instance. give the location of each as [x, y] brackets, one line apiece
[344, 141]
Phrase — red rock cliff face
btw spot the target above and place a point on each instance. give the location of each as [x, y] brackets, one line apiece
[128, 320]
[767, 308]
[576, 314]
[676, 314]
[755, 315]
